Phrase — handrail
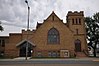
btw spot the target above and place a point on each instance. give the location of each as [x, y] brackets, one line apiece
[86, 52]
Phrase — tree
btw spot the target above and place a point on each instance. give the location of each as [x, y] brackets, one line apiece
[92, 29]
[1, 28]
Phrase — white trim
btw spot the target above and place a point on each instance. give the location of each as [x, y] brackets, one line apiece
[24, 41]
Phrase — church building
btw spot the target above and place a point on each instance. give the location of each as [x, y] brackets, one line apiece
[52, 38]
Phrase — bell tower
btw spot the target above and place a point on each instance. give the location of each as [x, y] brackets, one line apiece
[75, 22]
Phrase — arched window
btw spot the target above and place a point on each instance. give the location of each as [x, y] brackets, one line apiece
[79, 21]
[53, 36]
[73, 21]
[77, 45]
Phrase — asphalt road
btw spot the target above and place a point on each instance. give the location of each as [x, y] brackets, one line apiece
[49, 63]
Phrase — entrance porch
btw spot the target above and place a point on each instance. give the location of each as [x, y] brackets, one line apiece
[22, 48]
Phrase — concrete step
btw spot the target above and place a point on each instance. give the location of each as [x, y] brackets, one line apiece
[22, 58]
[80, 54]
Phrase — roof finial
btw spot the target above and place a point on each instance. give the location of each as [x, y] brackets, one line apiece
[52, 11]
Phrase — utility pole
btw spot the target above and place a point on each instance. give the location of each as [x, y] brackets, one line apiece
[27, 28]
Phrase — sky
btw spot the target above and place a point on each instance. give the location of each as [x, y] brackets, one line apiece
[13, 13]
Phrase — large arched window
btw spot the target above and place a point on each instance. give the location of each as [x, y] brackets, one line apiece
[77, 45]
[53, 36]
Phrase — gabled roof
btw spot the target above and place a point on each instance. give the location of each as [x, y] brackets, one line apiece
[25, 41]
[51, 15]
[50, 18]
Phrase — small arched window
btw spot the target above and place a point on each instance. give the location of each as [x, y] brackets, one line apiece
[53, 36]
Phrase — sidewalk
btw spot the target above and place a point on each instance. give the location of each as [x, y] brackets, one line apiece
[23, 59]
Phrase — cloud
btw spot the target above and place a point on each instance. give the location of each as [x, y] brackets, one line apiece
[14, 12]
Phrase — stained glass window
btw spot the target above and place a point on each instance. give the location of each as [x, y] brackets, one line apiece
[53, 36]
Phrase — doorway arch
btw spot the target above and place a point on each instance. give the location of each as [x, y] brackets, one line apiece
[77, 45]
